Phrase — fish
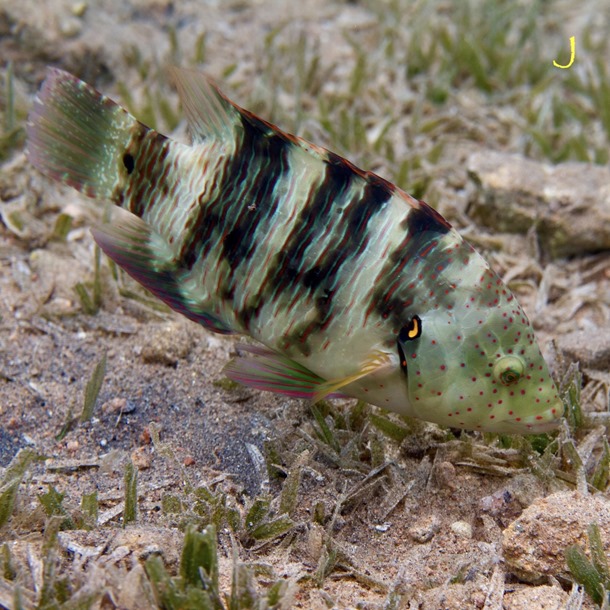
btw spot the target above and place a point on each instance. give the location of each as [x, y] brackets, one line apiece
[348, 286]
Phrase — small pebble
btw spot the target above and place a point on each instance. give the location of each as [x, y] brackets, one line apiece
[145, 437]
[79, 9]
[72, 446]
[141, 458]
[423, 531]
[167, 344]
[462, 529]
[114, 405]
[70, 27]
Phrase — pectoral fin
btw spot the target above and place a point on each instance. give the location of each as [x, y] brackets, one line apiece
[376, 362]
[272, 372]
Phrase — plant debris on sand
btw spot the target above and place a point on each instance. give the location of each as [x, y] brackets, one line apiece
[135, 475]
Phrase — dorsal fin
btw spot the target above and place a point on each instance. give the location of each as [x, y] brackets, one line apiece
[208, 111]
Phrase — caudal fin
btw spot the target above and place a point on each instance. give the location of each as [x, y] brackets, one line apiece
[78, 136]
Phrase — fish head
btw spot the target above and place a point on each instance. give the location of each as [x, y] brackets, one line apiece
[470, 355]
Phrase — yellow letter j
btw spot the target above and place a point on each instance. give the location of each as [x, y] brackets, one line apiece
[572, 54]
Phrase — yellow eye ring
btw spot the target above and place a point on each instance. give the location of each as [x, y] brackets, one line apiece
[411, 331]
[508, 370]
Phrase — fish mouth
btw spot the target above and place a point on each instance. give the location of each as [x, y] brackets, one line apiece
[537, 424]
[524, 428]
[539, 427]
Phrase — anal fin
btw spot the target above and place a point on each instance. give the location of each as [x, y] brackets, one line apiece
[134, 246]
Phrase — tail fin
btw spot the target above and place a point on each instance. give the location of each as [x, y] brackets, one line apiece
[78, 136]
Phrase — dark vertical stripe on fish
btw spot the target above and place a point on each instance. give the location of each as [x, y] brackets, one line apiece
[255, 191]
[245, 198]
[326, 276]
[288, 270]
[353, 229]
[425, 219]
[354, 199]
[391, 297]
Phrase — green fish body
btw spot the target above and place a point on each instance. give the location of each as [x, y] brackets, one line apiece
[354, 287]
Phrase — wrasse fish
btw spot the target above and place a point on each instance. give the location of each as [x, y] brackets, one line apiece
[354, 287]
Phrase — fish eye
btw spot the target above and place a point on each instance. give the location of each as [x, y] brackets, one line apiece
[410, 331]
[508, 370]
